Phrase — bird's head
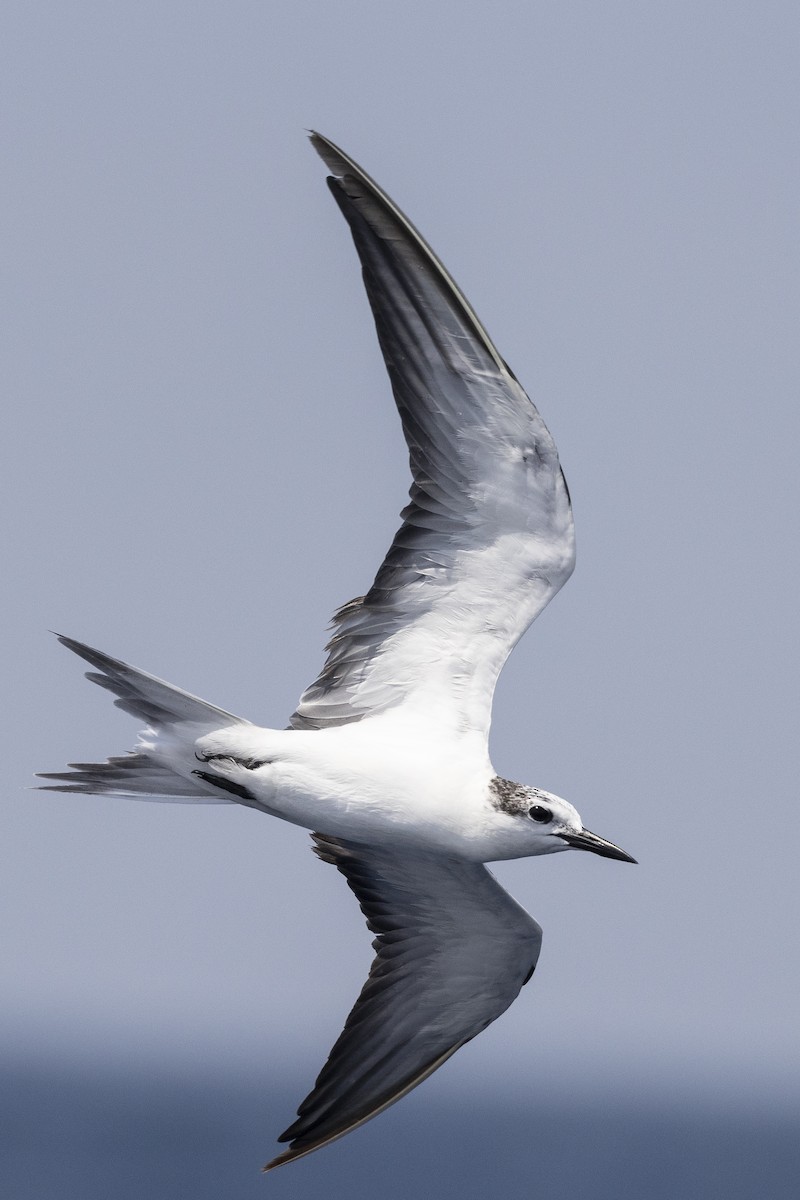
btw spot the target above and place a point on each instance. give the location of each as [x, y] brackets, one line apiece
[544, 823]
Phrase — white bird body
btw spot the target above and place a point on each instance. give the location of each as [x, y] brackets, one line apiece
[387, 751]
[386, 777]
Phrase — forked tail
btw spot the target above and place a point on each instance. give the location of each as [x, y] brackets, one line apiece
[174, 718]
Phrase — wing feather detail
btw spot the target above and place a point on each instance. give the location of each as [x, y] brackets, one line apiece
[452, 949]
[487, 537]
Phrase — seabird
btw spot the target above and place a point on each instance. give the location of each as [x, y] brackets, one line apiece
[386, 755]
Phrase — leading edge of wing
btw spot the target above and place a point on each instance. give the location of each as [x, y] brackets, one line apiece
[342, 165]
[453, 950]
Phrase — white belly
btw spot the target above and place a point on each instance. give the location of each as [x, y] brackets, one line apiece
[371, 779]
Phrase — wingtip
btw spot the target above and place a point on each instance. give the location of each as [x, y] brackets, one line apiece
[71, 643]
[335, 159]
[287, 1157]
[318, 140]
[97, 658]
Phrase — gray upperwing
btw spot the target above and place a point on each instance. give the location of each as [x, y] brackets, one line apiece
[484, 468]
[453, 950]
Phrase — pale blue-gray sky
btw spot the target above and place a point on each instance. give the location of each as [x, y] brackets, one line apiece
[202, 460]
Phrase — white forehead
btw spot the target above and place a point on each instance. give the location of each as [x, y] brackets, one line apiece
[562, 810]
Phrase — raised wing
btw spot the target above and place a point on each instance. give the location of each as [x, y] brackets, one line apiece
[487, 538]
[453, 951]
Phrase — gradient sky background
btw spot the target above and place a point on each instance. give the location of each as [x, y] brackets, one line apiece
[201, 460]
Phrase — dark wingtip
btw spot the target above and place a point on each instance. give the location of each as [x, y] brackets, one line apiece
[81, 649]
[335, 159]
[287, 1157]
[67, 641]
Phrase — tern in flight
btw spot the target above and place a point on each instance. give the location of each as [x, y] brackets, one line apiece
[386, 756]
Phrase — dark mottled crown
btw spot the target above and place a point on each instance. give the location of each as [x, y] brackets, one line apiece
[510, 797]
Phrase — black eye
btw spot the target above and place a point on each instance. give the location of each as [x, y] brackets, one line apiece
[539, 813]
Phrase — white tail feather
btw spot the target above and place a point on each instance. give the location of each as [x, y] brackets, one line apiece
[180, 715]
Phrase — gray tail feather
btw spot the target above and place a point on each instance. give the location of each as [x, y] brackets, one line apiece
[129, 775]
[144, 695]
[159, 704]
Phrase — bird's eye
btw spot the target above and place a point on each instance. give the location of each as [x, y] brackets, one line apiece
[540, 813]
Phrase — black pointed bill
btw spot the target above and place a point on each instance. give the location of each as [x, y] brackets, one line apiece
[590, 841]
